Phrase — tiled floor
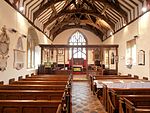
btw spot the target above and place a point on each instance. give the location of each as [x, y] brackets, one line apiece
[83, 100]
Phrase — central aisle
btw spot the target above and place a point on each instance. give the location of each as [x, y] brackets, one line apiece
[83, 100]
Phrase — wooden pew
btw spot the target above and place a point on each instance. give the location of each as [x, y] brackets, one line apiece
[32, 87]
[113, 96]
[29, 106]
[69, 77]
[134, 104]
[31, 95]
[93, 84]
[40, 87]
[107, 100]
[42, 76]
[46, 79]
[92, 78]
[39, 82]
[43, 81]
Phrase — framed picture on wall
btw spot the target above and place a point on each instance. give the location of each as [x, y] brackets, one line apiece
[141, 57]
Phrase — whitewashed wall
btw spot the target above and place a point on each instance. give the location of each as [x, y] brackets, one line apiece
[12, 19]
[92, 39]
[63, 37]
[141, 28]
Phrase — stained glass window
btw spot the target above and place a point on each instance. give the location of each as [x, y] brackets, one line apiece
[77, 39]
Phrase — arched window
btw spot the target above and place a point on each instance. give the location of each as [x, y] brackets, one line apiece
[32, 49]
[77, 39]
[30, 52]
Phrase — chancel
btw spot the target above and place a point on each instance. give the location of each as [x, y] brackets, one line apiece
[74, 56]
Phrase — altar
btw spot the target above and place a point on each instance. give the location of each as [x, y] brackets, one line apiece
[77, 68]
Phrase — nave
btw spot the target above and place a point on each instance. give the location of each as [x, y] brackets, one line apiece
[107, 38]
[75, 94]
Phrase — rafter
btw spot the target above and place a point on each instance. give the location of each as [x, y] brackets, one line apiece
[90, 22]
[42, 3]
[15, 2]
[67, 21]
[61, 10]
[116, 7]
[94, 25]
[64, 12]
[60, 26]
[104, 9]
[89, 18]
[44, 7]
[54, 10]
[105, 2]
[91, 6]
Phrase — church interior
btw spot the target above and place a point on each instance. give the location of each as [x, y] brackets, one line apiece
[74, 56]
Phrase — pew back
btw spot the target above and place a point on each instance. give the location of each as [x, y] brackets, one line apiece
[39, 82]
[113, 95]
[31, 95]
[29, 106]
[32, 87]
[134, 104]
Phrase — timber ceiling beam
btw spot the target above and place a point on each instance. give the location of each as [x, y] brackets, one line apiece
[91, 5]
[66, 22]
[44, 7]
[59, 21]
[104, 9]
[88, 22]
[89, 18]
[116, 7]
[82, 11]
[54, 10]
[15, 3]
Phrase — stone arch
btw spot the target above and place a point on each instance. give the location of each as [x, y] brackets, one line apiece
[32, 34]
